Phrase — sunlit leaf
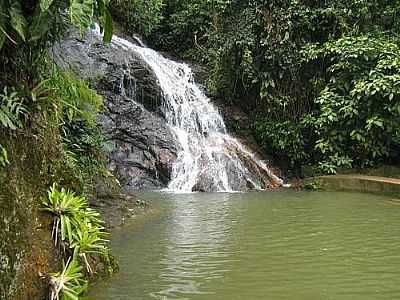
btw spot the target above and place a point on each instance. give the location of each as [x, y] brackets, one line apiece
[17, 19]
[108, 26]
[45, 4]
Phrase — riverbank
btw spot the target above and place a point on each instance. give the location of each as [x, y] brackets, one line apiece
[355, 182]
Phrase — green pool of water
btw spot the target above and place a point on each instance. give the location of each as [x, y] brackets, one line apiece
[270, 245]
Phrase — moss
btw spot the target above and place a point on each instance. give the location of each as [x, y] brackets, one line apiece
[26, 250]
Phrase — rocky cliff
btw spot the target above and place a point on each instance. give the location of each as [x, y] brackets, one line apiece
[143, 146]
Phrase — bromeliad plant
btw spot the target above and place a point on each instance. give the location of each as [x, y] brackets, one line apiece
[75, 226]
[67, 209]
[79, 230]
[89, 241]
[72, 216]
[68, 284]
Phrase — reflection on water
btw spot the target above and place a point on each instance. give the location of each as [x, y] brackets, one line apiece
[276, 245]
[196, 249]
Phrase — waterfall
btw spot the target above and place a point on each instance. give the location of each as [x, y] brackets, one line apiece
[210, 159]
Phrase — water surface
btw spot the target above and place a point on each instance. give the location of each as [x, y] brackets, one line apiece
[270, 245]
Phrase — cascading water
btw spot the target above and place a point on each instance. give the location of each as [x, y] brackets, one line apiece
[210, 159]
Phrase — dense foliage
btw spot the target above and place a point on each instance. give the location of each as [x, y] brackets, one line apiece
[29, 82]
[34, 94]
[320, 77]
[138, 16]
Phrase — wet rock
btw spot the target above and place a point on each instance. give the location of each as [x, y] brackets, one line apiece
[115, 206]
[144, 148]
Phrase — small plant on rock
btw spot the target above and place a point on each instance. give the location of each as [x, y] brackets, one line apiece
[89, 241]
[76, 227]
[67, 209]
[68, 284]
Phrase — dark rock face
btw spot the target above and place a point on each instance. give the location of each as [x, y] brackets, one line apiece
[115, 206]
[144, 147]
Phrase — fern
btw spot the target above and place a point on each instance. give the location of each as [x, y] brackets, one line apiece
[11, 110]
[75, 97]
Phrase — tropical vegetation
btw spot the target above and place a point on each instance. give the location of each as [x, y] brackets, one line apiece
[321, 78]
[79, 231]
[54, 112]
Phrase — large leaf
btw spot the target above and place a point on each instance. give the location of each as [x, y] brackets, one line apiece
[81, 13]
[108, 26]
[45, 4]
[41, 24]
[17, 19]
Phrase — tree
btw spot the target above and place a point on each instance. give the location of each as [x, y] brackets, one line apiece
[28, 27]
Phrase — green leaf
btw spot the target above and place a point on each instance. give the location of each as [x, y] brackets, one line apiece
[69, 230]
[40, 25]
[62, 227]
[108, 26]
[81, 13]
[2, 37]
[70, 295]
[45, 4]
[3, 156]
[17, 19]
[287, 35]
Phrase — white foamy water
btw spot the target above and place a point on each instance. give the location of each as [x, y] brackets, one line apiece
[210, 159]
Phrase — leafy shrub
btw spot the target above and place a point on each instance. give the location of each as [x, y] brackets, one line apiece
[22, 22]
[357, 116]
[77, 106]
[76, 100]
[284, 139]
[139, 16]
[313, 186]
[85, 147]
[186, 26]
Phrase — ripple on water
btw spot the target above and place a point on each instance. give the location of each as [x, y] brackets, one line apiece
[286, 245]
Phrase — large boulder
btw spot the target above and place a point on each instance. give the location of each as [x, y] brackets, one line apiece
[144, 146]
